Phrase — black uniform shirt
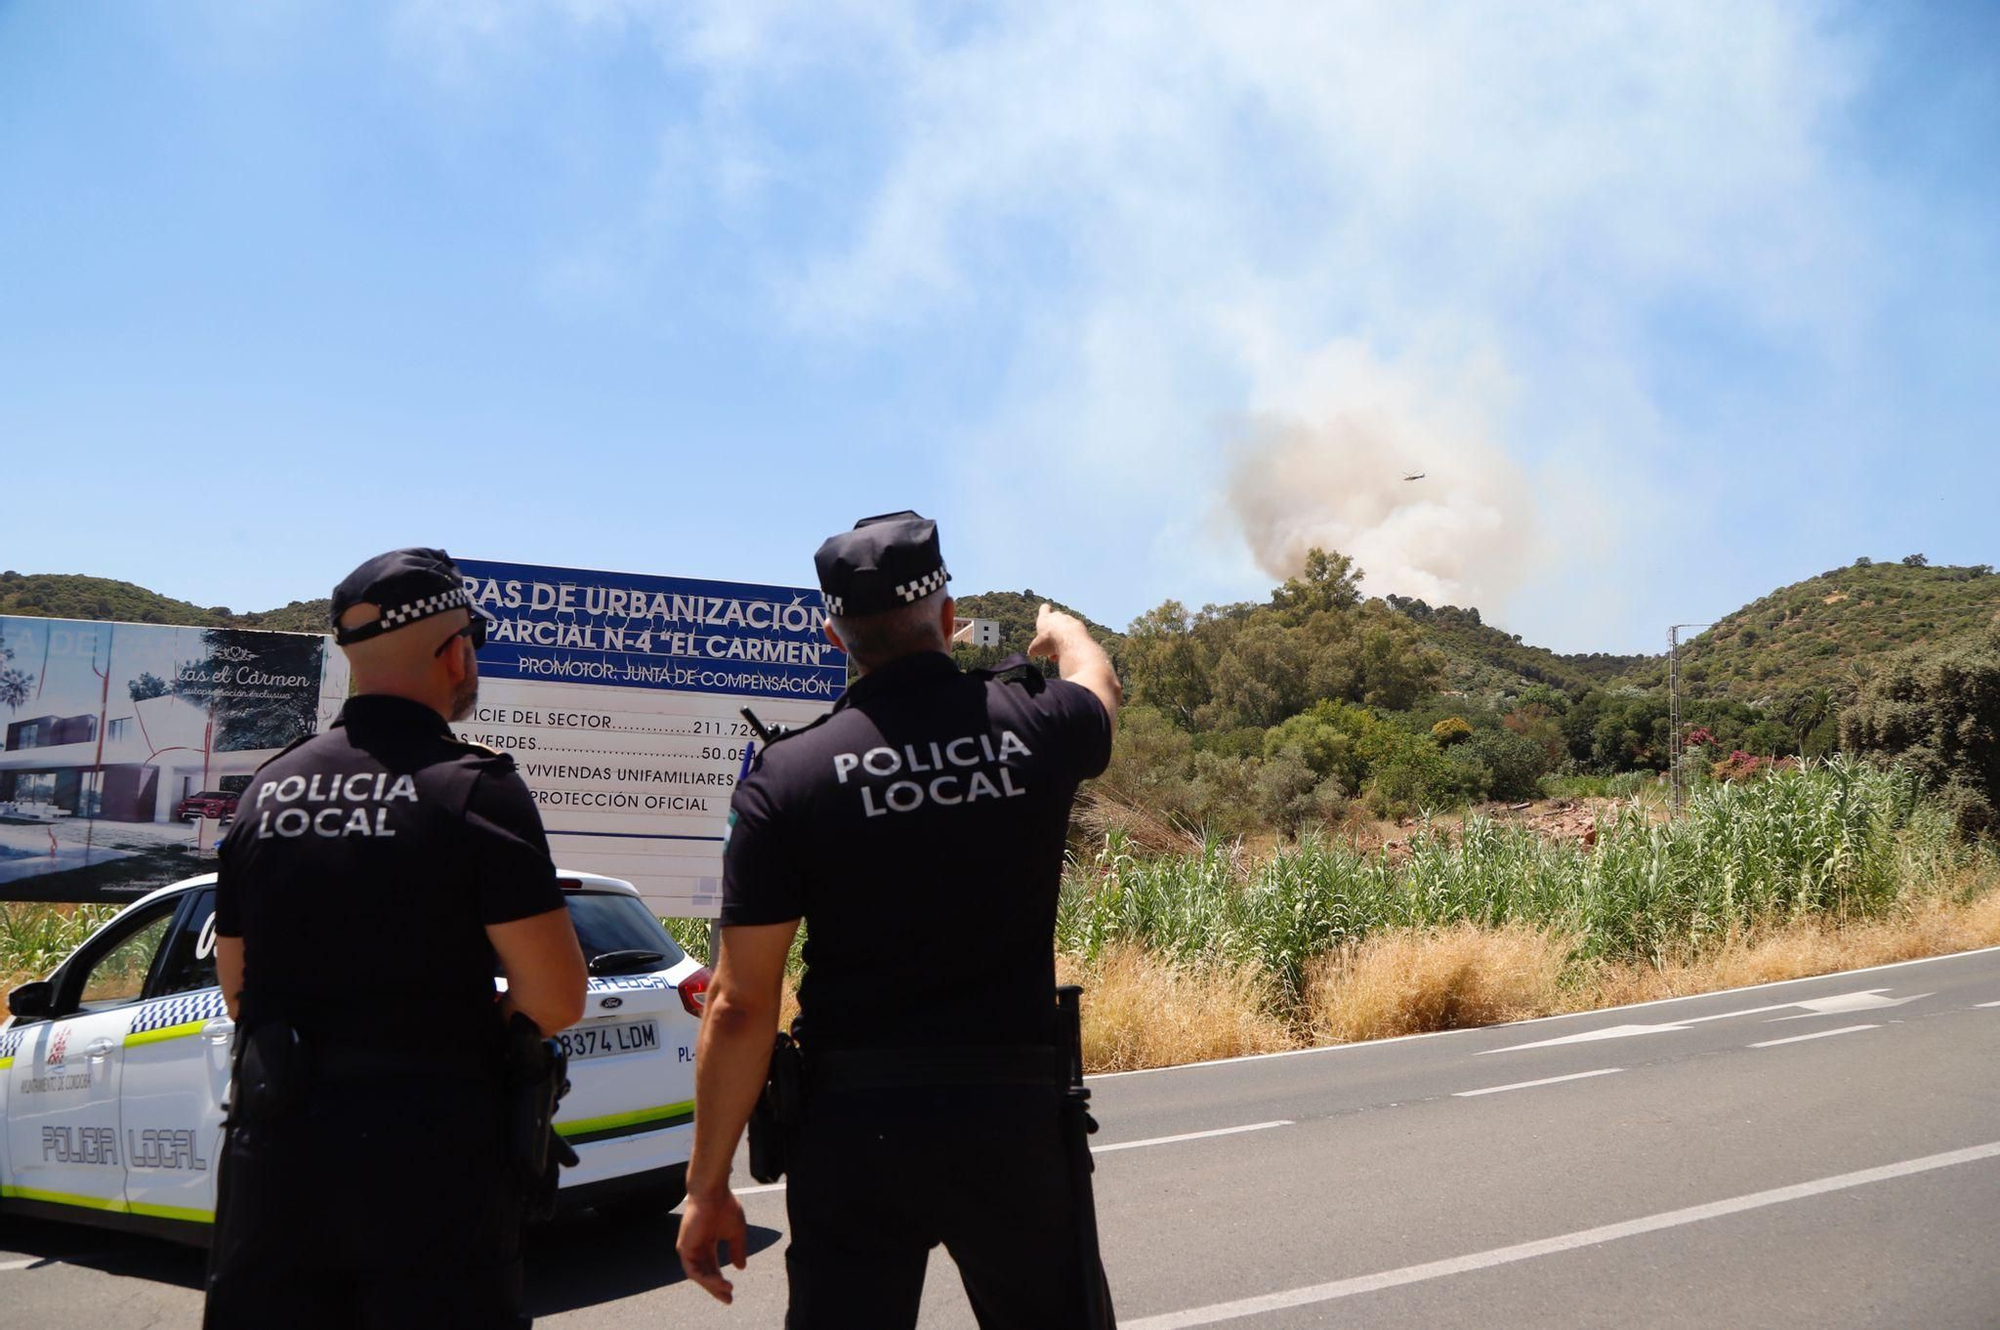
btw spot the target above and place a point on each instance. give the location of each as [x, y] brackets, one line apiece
[361, 872]
[919, 831]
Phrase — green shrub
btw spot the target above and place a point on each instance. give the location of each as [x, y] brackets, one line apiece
[1514, 764]
[1417, 778]
[1451, 730]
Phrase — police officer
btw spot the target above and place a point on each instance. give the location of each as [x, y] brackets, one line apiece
[373, 876]
[918, 830]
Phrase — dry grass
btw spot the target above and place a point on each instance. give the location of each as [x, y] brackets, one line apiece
[1445, 979]
[1143, 1011]
[1797, 950]
[1140, 1010]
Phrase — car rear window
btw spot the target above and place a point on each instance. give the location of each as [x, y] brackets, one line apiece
[606, 922]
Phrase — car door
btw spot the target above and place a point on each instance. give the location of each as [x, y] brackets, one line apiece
[62, 1094]
[176, 1077]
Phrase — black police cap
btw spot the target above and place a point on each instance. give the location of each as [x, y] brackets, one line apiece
[884, 563]
[406, 585]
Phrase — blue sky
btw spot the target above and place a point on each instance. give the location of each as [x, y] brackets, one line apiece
[1670, 303]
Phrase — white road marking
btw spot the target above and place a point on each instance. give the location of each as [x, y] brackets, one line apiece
[1188, 1136]
[1986, 1004]
[1816, 1034]
[1866, 1000]
[1366, 1044]
[1846, 1002]
[1527, 1251]
[22, 1265]
[1101, 1149]
[1546, 1080]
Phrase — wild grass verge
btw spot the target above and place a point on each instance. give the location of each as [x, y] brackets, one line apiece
[1831, 867]
[1141, 1010]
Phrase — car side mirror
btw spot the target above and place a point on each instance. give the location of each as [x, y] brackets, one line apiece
[31, 1001]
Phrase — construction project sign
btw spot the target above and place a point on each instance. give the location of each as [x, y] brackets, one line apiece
[127, 745]
[619, 696]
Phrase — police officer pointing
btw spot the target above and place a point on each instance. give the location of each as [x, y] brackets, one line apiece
[375, 874]
[918, 830]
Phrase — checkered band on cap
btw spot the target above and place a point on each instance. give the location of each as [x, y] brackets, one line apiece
[835, 606]
[401, 616]
[425, 607]
[912, 592]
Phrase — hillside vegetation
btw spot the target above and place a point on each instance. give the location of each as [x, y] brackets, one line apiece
[1832, 631]
[1486, 661]
[74, 596]
[1290, 714]
[1015, 612]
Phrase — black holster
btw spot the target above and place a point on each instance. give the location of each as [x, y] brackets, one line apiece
[537, 1077]
[272, 1075]
[779, 1107]
[1078, 1126]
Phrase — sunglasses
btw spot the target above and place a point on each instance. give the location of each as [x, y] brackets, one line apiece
[476, 630]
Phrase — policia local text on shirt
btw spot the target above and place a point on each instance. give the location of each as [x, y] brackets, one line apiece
[372, 1175]
[918, 830]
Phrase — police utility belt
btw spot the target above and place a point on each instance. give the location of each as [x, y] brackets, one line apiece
[1059, 1066]
[278, 1066]
[795, 1078]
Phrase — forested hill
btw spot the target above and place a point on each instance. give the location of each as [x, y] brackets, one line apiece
[73, 596]
[1015, 612]
[1483, 660]
[1832, 631]
[1828, 631]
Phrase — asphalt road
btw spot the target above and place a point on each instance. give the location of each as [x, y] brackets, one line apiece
[1822, 1153]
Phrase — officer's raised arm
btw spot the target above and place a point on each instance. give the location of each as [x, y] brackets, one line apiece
[1063, 639]
[916, 835]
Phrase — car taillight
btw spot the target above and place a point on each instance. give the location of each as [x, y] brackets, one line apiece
[694, 990]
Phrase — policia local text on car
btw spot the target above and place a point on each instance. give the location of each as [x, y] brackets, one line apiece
[918, 830]
[382, 1140]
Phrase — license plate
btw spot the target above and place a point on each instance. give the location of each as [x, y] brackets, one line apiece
[603, 1041]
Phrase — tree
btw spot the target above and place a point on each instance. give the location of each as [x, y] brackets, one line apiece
[1811, 711]
[1330, 581]
[1251, 666]
[148, 686]
[1166, 664]
[14, 684]
[1938, 712]
[1915, 561]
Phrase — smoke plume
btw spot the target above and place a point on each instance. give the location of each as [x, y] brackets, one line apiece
[1327, 467]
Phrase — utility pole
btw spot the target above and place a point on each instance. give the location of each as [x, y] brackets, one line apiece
[1674, 745]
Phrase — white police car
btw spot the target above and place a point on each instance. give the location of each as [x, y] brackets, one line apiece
[113, 1070]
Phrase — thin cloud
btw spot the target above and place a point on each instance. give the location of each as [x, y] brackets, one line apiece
[1231, 247]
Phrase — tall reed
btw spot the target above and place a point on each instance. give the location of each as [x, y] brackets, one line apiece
[1839, 840]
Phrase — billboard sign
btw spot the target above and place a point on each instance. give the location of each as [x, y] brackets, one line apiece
[126, 745]
[618, 696]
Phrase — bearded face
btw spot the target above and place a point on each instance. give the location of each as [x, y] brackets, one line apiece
[465, 696]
